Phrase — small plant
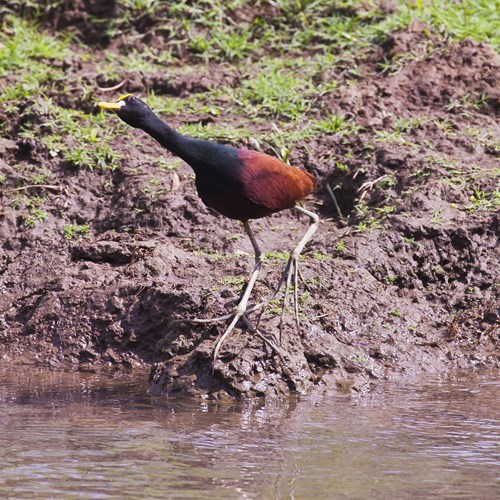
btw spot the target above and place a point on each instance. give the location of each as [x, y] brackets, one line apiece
[436, 217]
[447, 126]
[278, 256]
[391, 279]
[274, 307]
[467, 102]
[438, 269]
[79, 157]
[303, 298]
[404, 125]
[482, 201]
[168, 165]
[104, 157]
[35, 216]
[333, 124]
[153, 193]
[233, 45]
[54, 144]
[232, 280]
[368, 225]
[388, 182]
[321, 256]
[410, 241]
[40, 178]
[281, 144]
[73, 231]
[360, 358]
[385, 210]
[341, 166]
[315, 282]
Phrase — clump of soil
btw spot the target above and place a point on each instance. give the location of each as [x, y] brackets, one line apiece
[413, 290]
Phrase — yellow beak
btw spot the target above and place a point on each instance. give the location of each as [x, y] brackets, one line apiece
[113, 106]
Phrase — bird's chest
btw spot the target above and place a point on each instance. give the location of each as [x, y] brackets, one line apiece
[227, 195]
[212, 185]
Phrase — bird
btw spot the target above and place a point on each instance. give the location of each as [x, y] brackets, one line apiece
[240, 184]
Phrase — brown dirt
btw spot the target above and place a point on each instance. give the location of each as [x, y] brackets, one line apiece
[419, 293]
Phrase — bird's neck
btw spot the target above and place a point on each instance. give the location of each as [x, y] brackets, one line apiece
[168, 137]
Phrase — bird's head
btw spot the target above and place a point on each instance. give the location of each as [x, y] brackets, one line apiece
[130, 109]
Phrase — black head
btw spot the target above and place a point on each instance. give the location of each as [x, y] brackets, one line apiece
[130, 109]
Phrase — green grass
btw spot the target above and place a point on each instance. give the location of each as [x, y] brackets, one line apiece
[28, 63]
[276, 90]
[232, 280]
[82, 140]
[320, 25]
[279, 53]
[25, 47]
[308, 36]
[476, 19]
[31, 208]
[26, 57]
[208, 30]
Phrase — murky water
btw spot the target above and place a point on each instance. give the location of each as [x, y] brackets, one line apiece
[81, 435]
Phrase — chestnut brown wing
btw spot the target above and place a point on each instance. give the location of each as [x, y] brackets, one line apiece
[271, 183]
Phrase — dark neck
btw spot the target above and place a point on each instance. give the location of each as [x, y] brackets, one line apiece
[167, 137]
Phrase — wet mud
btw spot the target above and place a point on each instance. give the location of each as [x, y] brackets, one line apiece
[414, 290]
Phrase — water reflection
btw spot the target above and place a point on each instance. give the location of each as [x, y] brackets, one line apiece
[102, 437]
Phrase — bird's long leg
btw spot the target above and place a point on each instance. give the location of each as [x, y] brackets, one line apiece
[241, 308]
[291, 271]
[248, 289]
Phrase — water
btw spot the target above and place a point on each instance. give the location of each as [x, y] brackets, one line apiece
[68, 435]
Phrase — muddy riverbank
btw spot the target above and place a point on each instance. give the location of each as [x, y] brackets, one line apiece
[402, 276]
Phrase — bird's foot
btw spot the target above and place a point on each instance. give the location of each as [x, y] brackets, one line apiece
[201, 321]
[241, 316]
[237, 315]
[239, 319]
